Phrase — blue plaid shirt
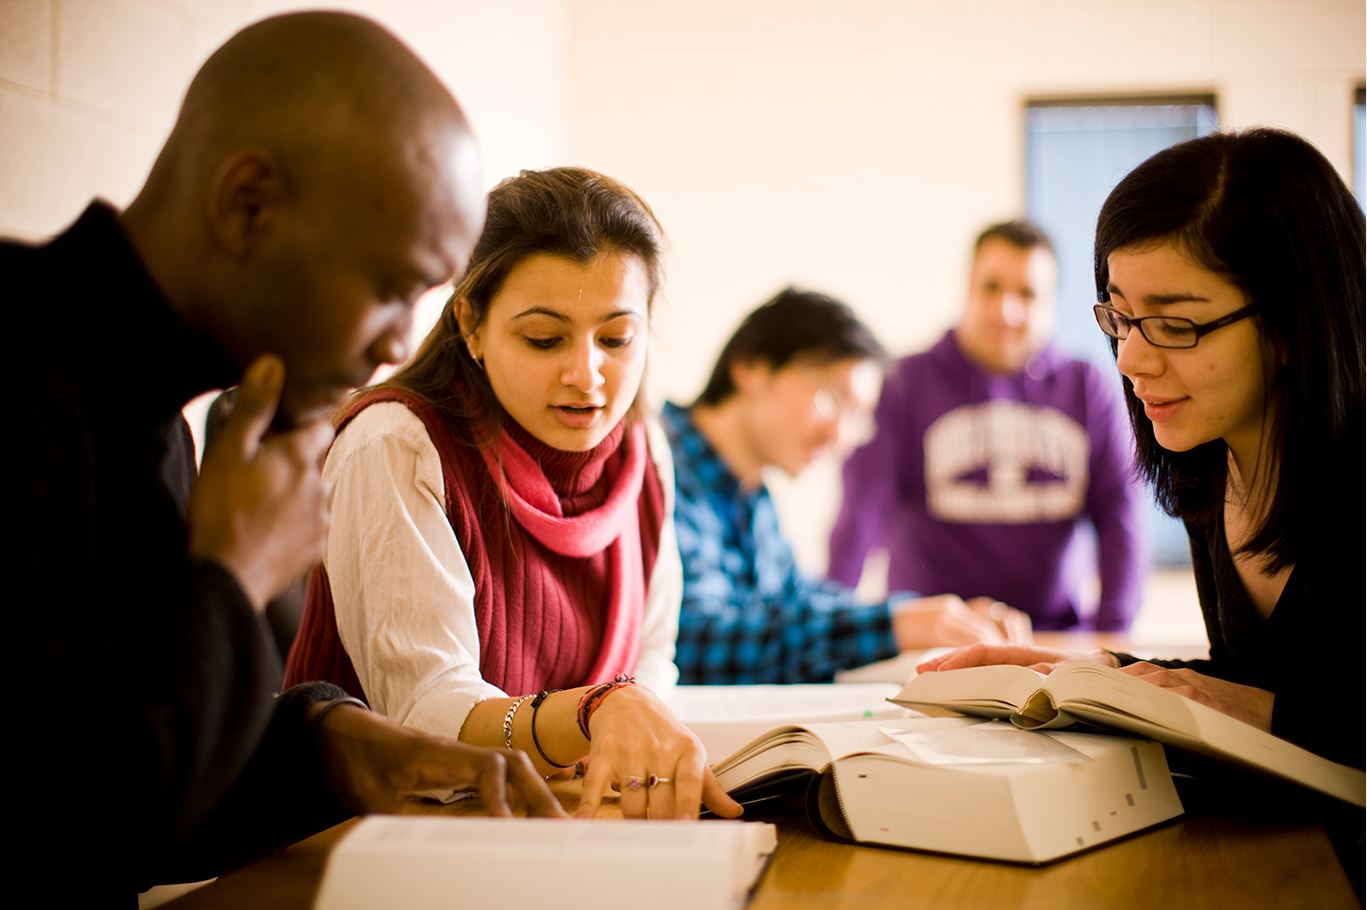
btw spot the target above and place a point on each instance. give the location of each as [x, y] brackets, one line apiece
[749, 616]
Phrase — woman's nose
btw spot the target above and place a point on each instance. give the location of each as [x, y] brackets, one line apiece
[1135, 356]
[584, 370]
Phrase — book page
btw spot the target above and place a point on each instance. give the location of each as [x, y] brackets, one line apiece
[1108, 690]
[844, 739]
[985, 743]
[810, 747]
[725, 718]
[985, 691]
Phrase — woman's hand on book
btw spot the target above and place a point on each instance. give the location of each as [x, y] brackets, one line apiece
[1041, 660]
[946, 620]
[658, 766]
[1249, 704]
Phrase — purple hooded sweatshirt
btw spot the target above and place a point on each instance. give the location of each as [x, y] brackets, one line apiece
[980, 484]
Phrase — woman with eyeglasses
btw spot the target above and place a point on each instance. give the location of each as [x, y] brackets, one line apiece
[799, 378]
[501, 558]
[1229, 271]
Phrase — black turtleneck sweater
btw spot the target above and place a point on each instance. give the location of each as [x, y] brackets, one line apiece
[147, 743]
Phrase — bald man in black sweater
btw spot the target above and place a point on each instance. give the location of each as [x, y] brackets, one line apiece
[319, 179]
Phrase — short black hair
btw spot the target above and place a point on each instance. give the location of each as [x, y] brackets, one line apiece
[793, 325]
[1018, 232]
[1266, 211]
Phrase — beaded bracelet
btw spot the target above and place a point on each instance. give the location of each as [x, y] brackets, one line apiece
[508, 720]
[590, 700]
[536, 706]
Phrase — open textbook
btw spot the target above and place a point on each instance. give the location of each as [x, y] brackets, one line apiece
[431, 862]
[727, 717]
[957, 785]
[1090, 693]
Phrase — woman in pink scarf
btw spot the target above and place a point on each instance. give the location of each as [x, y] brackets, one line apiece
[501, 561]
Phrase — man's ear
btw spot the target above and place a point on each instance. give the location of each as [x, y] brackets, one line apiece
[748, 372]
[244, 201]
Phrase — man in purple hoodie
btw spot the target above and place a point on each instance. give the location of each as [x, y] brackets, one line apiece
[992, 450]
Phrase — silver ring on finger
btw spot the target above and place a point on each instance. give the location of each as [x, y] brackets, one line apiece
[654, 780]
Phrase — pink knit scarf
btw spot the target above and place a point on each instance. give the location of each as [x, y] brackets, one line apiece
[536, 507]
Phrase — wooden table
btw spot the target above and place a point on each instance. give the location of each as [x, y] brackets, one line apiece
[1200, 861]
[1195, 862]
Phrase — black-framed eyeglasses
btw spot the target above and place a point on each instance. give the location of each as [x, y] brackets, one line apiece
[1164, 331]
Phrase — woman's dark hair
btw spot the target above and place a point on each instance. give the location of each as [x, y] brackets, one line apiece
[568, 211]
[1267, 212]
[794, 325]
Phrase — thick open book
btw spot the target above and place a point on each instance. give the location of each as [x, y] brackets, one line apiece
[1106, 697]
[429, 862]
[956, 785]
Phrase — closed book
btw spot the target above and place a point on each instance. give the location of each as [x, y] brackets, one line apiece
[430, 862]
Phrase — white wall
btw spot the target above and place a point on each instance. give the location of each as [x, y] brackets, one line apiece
[89, 88]
[857, 147]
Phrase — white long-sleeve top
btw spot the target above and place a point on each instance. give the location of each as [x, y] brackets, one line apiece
[403, 593]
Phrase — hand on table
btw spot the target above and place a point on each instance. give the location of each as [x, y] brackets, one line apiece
[1014, 625]
[259, 506]
[636, 736]
[1249, 704]
[373, 763]
[946, 620]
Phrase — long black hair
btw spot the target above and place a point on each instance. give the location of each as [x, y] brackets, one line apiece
[1268, 213]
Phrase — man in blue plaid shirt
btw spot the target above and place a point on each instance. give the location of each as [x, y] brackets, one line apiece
[799, 377]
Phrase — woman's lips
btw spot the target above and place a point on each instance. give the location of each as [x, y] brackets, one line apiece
[577, 416]
[1161, 410]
